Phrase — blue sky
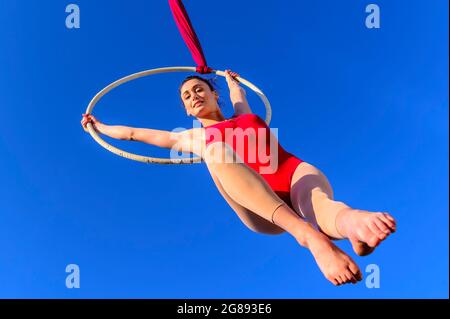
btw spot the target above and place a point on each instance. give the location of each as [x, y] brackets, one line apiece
[369, 107]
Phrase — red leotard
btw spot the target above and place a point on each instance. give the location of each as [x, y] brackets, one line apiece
[257, 131]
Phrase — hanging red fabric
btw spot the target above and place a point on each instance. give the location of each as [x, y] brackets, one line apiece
[188, 33]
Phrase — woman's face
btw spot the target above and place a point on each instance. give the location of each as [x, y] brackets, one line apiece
[198, 99]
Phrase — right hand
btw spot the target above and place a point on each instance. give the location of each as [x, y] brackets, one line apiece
[89, 118]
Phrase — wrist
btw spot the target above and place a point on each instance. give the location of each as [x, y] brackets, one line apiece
[235, 88]
[99, 127]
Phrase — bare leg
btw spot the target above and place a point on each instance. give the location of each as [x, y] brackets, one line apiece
[312, 198]
[253, 221]
[247, 188]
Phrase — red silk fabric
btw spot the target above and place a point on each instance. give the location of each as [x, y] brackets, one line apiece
[188, 33]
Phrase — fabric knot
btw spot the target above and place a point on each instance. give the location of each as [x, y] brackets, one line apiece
[203, 69]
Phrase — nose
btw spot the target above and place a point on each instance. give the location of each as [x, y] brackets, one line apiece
[195, 98]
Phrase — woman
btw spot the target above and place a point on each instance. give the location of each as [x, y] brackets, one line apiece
[289, 196]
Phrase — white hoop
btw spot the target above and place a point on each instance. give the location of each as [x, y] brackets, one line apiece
[146, 159]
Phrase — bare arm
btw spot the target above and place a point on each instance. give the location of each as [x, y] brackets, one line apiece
[238, 96]
[164, 139]
[114, 131]
[181, 141]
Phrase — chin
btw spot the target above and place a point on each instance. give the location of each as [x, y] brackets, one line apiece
[200, 111]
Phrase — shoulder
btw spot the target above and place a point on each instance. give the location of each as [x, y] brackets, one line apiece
[249, 116]
[240, 115]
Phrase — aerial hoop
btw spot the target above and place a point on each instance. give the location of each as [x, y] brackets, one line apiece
[146, 159]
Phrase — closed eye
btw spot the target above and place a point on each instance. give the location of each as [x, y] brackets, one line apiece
[197, 88]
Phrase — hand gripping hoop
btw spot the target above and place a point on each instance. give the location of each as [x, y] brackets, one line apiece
[146, 159]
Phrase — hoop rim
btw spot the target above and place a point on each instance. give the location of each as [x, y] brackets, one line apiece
[155, 160]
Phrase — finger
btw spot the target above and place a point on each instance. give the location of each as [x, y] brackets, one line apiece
[235, 79]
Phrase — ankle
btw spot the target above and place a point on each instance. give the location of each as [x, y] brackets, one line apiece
[317, 242]
[340, 221]
[306, 235]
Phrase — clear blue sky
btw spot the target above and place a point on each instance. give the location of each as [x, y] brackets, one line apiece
[369, 107]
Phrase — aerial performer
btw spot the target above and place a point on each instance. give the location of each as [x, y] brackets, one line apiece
[271, 190]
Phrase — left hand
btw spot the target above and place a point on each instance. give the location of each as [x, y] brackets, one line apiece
[232, 78]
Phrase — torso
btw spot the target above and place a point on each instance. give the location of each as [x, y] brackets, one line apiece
[258, 148]
[195, 139]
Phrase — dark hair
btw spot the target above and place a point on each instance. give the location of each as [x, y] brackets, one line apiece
[212, 84]
[209, 82]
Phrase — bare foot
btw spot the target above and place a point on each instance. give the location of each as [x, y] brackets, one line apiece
[365, 230]
[336, 265]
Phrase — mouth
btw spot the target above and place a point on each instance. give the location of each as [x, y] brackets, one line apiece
[197, 104]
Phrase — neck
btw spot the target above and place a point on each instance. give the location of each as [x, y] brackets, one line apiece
[212, 118]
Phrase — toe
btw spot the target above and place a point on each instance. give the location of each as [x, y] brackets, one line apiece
[343, 279]
[369, 234]
[337, 281]
[350, 277]
[354, 269]
[382, 226]
[376, 231]
[373, 241]
[333, 280]
[388, 220]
